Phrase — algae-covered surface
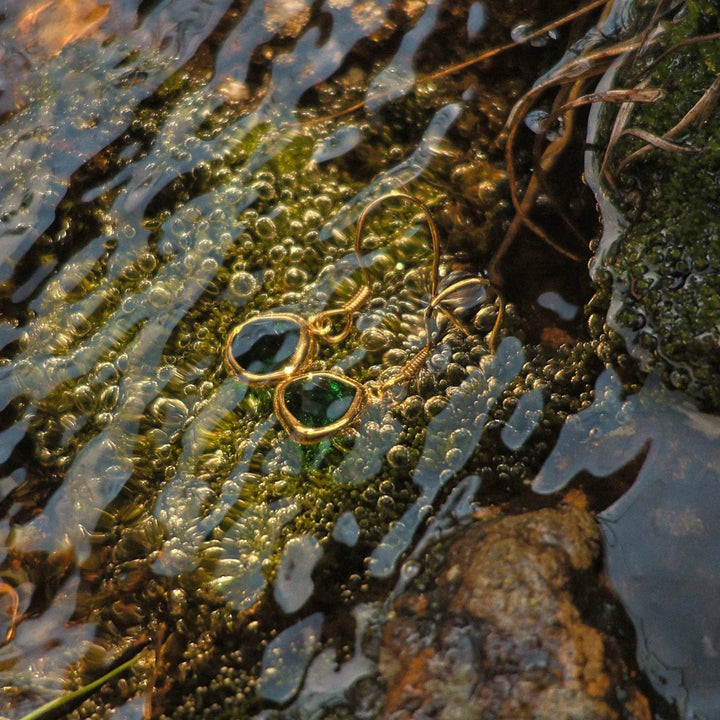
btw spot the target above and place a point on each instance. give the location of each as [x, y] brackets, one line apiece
[170, 170]
[662, 275]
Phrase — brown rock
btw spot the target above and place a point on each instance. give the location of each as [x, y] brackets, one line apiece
[498, 634]
[49, 25]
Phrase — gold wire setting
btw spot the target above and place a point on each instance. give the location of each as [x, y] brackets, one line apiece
[305, 349]
[305, 434]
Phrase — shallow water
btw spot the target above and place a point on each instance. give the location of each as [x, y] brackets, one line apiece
[168, 170]
[661, 541]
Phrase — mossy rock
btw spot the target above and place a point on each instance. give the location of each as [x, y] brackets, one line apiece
[660, 272]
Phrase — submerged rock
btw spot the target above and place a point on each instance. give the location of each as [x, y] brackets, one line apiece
[501, 634]
[655, 265]
[251, 560]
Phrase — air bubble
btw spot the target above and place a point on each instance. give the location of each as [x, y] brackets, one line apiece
[166, 248]
[85, 398]
[109, 397]
[159, 296]
[398, 456]
[217, 215]
[147, 262]
[78, 324]
[264, 190]
[410, 570]
[165, 373]
[106, 373]
[172, 412]
[265, 228]
[375, 339]
[209, 265]
[278, 253]
[295, 277]
[204, 246]
[312, 219]
[521, 32]
[129, 304]
[177, 226]
[323, 204]
[242, 284]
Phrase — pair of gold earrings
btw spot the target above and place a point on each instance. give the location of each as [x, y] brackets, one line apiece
[278, 348]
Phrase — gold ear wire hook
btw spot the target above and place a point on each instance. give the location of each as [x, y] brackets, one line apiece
[412, 366]
[435, 271]
[321, 322]
[460, 285]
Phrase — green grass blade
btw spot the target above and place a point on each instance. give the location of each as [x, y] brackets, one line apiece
[58, 702]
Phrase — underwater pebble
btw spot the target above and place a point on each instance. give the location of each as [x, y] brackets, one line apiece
[502, 582]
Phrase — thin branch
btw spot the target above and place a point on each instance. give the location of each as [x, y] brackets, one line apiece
[621, 120]
[7, 589]
[658, 142]
[579, 69]
[486, 55]
[683, 43]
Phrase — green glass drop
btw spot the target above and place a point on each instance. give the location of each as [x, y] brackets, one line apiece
[265, 345]
[319, 400]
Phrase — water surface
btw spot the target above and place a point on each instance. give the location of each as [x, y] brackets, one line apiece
[168, 170]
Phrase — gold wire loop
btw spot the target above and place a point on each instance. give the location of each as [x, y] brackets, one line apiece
[412, 366]
[409, 370]
[298, 360]
[321, 322]
[306, 434]
[435, 270]
[460, 285]
[320, 325]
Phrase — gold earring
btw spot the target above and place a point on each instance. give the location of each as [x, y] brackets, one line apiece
[313, 406]
[270, 348]
[437, 300]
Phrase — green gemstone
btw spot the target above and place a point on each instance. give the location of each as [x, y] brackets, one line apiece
[319, 400]
[265, 345]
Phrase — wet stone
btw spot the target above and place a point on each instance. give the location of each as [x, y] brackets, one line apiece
[319, 400]
[498, 634]
[265, 345]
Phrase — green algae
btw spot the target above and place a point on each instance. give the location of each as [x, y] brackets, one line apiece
[129, 347]
[665, 290]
